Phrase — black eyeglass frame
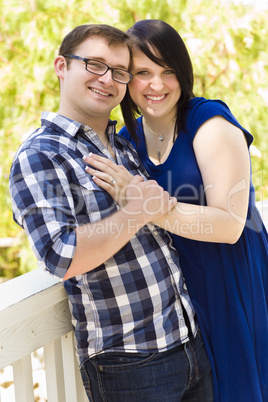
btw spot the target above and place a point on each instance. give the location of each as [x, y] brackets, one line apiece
[72, 56]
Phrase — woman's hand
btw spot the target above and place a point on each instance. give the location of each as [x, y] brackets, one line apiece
[108, 175]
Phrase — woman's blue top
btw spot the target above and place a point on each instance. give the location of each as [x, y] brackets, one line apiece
[228, 284]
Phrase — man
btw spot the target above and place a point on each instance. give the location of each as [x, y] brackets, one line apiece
[127, 294]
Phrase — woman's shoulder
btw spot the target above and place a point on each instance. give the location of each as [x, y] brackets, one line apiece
[201, 109]
[200, 105]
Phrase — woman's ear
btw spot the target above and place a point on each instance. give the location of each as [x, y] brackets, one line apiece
[60, 66]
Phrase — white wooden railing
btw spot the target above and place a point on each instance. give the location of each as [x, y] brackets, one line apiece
[34, 313]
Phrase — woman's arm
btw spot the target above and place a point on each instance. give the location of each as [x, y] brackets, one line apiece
[223, 159]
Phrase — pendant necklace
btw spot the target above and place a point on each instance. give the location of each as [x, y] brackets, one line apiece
[161, 137]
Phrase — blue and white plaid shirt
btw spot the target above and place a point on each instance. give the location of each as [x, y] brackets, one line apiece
[137, 300]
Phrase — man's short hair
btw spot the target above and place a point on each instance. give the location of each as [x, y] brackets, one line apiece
[73, 39]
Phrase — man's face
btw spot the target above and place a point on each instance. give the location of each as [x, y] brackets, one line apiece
[86, 96]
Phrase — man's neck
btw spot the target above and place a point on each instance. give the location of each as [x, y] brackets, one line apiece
[99, 125]
[99, 128]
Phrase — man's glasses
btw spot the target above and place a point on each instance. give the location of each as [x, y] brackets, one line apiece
[100, 68]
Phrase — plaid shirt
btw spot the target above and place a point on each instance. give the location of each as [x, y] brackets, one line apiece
[137, 300]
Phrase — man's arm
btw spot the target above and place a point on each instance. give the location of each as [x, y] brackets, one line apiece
[46, 206]
[97, 242]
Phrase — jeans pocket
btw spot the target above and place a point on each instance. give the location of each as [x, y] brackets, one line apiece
[123, 361]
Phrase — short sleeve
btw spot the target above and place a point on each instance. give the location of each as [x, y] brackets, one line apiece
[202, 109]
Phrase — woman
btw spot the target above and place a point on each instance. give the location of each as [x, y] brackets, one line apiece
[197, 150]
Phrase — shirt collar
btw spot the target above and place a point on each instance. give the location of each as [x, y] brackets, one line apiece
[65, 126]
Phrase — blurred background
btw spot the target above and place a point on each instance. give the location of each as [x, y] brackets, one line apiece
[227, 41]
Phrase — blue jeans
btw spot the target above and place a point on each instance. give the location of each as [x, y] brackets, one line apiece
[180, 374]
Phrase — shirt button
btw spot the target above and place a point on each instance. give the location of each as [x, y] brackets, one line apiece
[155, 233]
[170, 260]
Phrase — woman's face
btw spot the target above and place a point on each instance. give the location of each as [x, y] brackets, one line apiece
[154, 89]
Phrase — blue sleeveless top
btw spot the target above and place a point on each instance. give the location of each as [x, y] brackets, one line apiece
[228, 284]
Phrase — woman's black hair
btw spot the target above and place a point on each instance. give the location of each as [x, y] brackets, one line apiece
[170, 51]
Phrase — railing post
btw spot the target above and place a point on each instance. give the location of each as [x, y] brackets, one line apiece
[74, 390]
[23, 380]
[54, 371]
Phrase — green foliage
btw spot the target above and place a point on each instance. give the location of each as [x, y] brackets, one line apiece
[17, 259]
[226, 42]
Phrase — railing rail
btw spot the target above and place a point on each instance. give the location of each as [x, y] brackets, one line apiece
[34, 313]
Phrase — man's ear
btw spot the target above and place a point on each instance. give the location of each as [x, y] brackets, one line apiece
[60, 66]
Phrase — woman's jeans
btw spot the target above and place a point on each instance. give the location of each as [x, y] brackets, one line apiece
[180, 374]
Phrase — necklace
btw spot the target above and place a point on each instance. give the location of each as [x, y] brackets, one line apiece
[159, 145]
[161, 137]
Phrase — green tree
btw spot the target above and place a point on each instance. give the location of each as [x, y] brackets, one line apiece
[226, 42]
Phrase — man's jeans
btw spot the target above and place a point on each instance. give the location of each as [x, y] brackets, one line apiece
[180, 374]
